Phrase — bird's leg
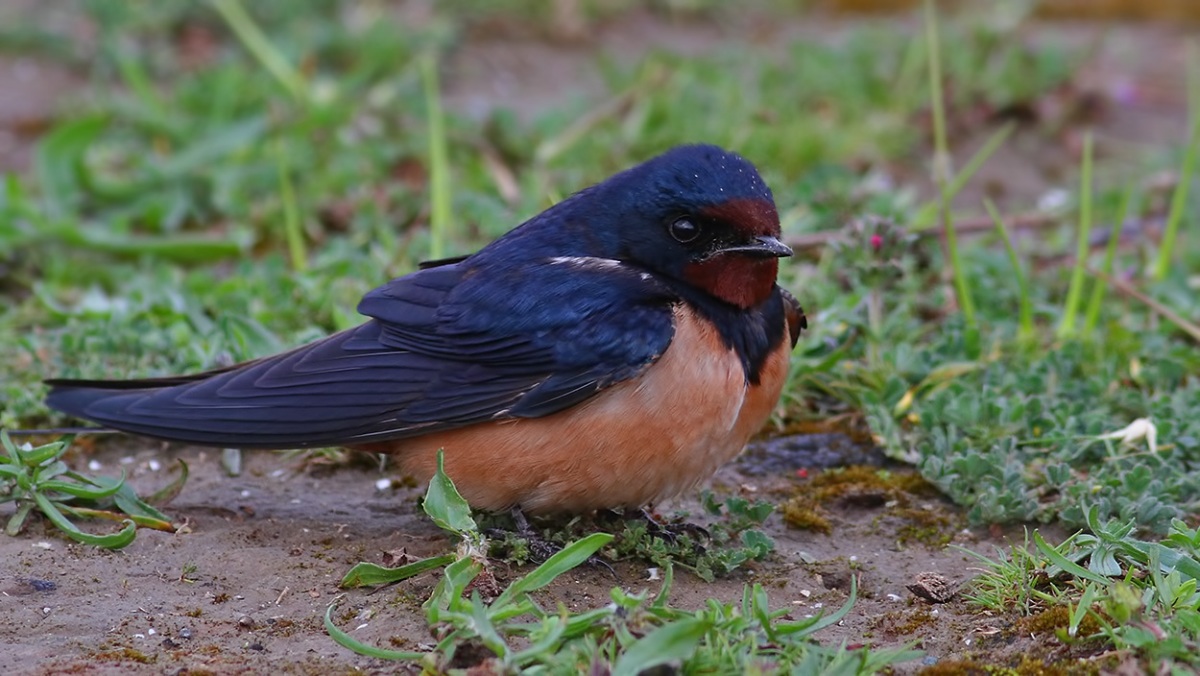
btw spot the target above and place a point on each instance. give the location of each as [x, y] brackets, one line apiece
[540, 549]
[519, 520]
[671, 531]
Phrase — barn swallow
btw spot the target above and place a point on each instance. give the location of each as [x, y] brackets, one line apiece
[611, 352]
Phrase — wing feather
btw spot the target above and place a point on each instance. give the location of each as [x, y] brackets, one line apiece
[443, 349]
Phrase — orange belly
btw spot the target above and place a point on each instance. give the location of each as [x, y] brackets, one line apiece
[635, 443]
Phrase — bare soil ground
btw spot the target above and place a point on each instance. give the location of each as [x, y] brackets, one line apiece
[244, 586]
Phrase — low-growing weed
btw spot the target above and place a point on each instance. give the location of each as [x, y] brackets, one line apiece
[635, 632]
[1132, 594]
[38, 478]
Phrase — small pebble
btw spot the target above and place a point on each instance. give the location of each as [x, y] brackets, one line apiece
[246, 622]
[185, 633]
[94, 465]
[245, 494]
[151, 632]
[43, 585]
[42, 545]
[154, 465]
[933, 587]
[383, 484]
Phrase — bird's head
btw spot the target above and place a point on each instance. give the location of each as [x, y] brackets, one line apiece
[698, 214]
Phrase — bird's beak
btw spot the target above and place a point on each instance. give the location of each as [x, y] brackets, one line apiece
[762, 246]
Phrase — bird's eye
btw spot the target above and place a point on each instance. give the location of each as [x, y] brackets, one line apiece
[684, 231]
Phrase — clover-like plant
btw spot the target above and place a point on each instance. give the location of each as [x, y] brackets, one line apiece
[38, 478]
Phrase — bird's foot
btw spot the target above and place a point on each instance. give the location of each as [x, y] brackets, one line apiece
[670, 531]
[537, 548]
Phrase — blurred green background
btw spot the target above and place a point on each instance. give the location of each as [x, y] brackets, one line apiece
[193, 184]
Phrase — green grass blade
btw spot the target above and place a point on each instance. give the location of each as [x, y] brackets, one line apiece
[1092, 316]
[1180, 196]
[167, 493]
[112, 541]
[439, 161]
[256, 43]
[1068, 566]
[292, 228]
[545, 645]
[569, 557]
[942, 170]
[347, 641]
[926, 216]
[1081, 609]
[365, 574]
[836, 616]
[128, 501]
[669, 642]
[81, 491]
[140, 521]
[135, 77]
[1025, 325]
[1066, 326]
[942, 175]
[57, 161]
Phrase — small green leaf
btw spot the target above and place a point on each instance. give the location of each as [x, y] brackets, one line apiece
[1067, 565]
[1170, 560]
[823, 620]
[36, 456]
[569, 557]
[113, 541]
[141, 521]
[10, 448]
[448, 592]
[369, 574]
[80, 490]
[547, 644]
[445, 505]
[347, 641]
[167, 493]
[128, 501]
[485, 631]
[669, 642]
[1080, 610]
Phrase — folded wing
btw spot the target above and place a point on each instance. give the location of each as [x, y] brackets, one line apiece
[445, 347]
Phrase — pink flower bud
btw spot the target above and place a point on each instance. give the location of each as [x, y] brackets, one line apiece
[876, 242]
